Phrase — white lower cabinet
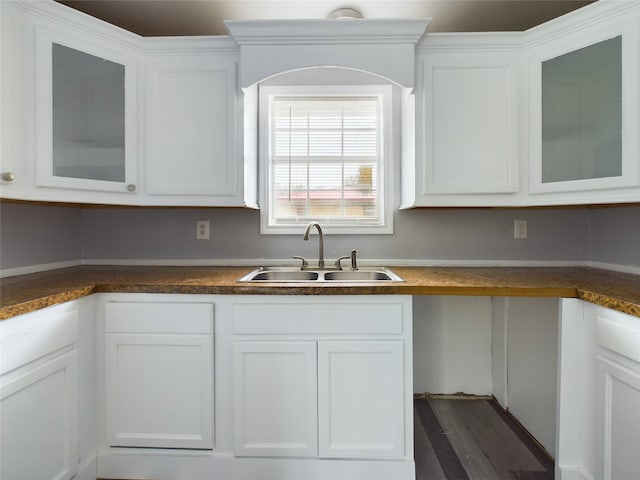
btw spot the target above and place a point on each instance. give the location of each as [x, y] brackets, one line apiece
[38, 395]
[159, 374]
[322, 377]
[599, 393]
[617, 395]
[348, 402]
[275, 393]
[618, 422]
[361, 399]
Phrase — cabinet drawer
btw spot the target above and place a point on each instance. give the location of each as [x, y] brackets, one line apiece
[318, 317]
[620, 334]
[159, 317]
[31, 336]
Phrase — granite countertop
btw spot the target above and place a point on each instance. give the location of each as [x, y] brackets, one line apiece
[27, 293]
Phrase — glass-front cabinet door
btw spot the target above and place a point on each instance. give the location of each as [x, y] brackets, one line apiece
[85, 115]
[584, 113]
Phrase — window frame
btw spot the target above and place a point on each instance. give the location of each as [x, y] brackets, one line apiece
[385, 91]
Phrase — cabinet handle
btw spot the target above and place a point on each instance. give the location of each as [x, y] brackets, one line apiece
[8, 177]
[131, 187]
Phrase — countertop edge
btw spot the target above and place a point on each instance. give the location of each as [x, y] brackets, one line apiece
[32, 293]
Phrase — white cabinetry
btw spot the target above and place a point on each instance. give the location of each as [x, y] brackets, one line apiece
[85, 112]
[72, 118]
[306, 386]
[599, 393]
[275, 392]
[11, 85]
[159, 374]
[617, 395]
[193, 123]
[361, 399]
[466, 121]
[322, 377]
[38, 395]
[584, 106]
[95, 114]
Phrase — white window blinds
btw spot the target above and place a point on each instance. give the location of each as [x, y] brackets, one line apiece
[325, 157]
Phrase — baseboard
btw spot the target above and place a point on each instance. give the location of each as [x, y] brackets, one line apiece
[615, 267]
[170, 466]
[42, 267]
[87, 469]
[572, 472]
[389, 262]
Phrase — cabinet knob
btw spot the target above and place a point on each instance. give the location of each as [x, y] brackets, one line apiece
[131, 187]
[8, 176]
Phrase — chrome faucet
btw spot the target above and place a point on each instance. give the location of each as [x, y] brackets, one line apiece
[320, 242]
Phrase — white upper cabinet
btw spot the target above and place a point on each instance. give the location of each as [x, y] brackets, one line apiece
[85, 113]
[69, 106]
[95, 114]
[584, 107]
[466, 114]
[11, 84]
[545, 117]
[193, 124]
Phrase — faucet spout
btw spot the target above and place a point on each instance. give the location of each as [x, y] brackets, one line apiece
[320, 241]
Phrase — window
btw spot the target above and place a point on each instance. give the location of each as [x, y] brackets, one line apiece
[324, 153]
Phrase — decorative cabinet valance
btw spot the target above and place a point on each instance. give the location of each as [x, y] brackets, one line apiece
[269, 48]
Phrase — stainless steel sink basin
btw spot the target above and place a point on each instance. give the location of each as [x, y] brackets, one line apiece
[296, 275]
[377, 275]
[282, 276]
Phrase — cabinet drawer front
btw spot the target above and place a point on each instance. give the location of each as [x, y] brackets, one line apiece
[37, 336]
[621, 334]
[332, 316]
[159, 317]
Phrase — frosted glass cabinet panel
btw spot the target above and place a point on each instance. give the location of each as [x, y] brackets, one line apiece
[88, 116]
[582, 113]
[85, 113]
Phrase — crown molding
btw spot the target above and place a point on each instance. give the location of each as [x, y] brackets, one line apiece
[309, 32]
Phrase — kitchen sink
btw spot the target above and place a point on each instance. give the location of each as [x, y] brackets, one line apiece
[377, 275]
[296, 275]
[281, 276]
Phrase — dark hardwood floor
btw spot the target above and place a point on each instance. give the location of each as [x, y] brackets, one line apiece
[474, 439]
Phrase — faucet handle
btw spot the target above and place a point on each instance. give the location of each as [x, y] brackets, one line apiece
[354, 263]
[337, 264]
[305, 263]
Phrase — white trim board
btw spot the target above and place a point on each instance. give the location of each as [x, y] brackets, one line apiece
[254, 262]
[42, 267]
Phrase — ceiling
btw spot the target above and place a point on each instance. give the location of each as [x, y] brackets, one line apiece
[206, 17]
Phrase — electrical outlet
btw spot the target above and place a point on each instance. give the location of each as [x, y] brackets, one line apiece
[202, 230]
[519, 229]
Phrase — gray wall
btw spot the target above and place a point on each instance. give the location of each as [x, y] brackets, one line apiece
[38, 234]
[614, 235]
[34, 234]
[420, 235]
